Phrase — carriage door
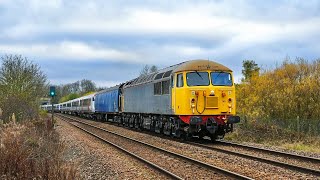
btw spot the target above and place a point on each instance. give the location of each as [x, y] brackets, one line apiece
[92, 105]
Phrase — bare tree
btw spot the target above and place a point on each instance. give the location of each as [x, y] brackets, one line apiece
[144, 70]
[148, 69]
[87, 86]
[22, 84]
[153, 68]
[75, 87]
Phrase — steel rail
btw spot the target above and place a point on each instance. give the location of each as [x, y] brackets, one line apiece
[206, 165]
[154, 166]
[274, 152]
[269, 161]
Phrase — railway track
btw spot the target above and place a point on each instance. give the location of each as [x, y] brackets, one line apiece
[307, 160]
[314, 161]
[273, 152]
[150, 164]
[130, 147]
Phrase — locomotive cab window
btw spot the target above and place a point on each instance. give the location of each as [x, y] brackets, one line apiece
[198, 78]
[180, 80]
[221, 79]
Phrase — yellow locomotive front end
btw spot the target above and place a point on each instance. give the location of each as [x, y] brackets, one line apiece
[203, 96]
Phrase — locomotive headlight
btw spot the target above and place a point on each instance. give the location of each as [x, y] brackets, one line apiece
[193, 105]
[212, 93]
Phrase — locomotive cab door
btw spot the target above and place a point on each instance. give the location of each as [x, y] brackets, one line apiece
[178, 93]
[173, 92]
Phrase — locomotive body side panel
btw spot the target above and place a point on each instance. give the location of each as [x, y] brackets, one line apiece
[141, 99]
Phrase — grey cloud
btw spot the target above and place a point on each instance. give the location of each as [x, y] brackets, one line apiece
[161, 33]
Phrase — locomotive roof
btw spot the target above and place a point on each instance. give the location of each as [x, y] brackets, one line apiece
[200, 64]
[192, 65]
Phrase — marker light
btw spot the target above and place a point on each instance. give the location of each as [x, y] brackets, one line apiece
[197, 93]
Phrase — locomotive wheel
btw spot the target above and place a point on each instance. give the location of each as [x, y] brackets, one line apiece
[201, 136]
[167, 128]
[214, 138]
[175, 132]
[185, 136]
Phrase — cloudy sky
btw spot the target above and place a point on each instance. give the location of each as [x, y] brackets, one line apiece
[110, 41]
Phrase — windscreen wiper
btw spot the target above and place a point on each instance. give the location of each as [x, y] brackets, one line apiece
[199, 74]
[220, 72]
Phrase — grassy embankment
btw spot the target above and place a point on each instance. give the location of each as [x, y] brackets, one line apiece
[274, 136]
[31, 150]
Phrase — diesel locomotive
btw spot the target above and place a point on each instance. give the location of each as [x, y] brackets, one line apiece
[193, 98]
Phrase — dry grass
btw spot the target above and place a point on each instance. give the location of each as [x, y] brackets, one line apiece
[272, 135]
[32, 151]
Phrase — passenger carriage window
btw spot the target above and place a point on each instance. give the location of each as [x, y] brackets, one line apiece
[180, 80]
[75, 103]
